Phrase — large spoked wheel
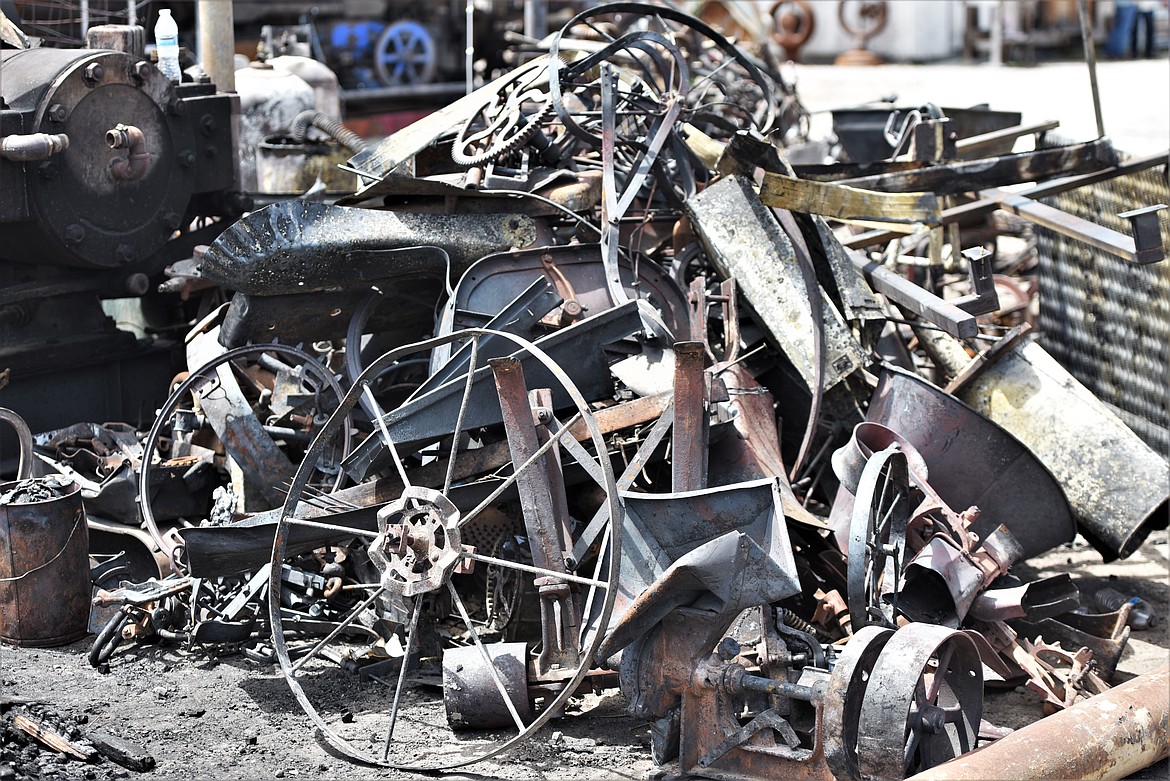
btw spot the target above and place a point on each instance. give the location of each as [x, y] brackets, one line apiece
[502, 461]
[844, 696]
[182, 440]
[405, 55]
[877, 532]
[923, 703]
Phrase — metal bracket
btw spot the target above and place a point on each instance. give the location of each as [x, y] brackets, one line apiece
[985, 299]
[1147, 233]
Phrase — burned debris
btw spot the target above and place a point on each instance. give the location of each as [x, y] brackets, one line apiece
[587, 386]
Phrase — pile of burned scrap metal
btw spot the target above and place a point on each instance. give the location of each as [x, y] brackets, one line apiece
[666, 430]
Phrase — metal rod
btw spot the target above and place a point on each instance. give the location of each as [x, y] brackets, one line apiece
[534, 570]
[471, 366]
[414, 614]
[340, 628]
[1091, 59]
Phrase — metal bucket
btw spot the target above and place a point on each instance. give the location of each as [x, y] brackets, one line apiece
[1116, 484]
[44, 562]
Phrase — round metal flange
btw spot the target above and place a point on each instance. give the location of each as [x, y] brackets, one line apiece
[923, 703]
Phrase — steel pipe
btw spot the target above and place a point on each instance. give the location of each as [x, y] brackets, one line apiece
[1107, 737]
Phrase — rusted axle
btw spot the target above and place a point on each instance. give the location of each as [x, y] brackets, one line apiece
[1107, 737]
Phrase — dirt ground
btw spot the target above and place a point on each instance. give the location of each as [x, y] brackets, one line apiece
[234, 719]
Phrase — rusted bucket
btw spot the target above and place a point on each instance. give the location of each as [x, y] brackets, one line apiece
[44, 562]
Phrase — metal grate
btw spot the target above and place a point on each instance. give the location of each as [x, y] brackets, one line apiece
[1106, 320]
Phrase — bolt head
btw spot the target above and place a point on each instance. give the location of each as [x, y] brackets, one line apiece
[186, 158]
[177, 106]
[171, 220]
[47, 170]
[141, 71]
[94, 72]
[124, 253]
[57, 113]
[74, 234]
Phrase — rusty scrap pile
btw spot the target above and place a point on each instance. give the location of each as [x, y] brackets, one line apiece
[592, 389]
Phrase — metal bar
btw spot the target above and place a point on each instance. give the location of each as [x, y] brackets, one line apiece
[848, 203]
[410, 642]
[926, 305]
[985, 206]
[1077, 228]
[340, 628]
[534, 570]
[536, 500]
[1109, 736]
[217, 42]
[688, 468]
[973, 145]
[1091, 59]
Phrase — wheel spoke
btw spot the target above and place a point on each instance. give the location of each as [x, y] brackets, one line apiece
[471, 365]
[339, 629]
[487, 659]
[944, 659]
[380, 416]
[535, 570]
[410, 642]
[912, 743]
[331, 527]
[511, 479]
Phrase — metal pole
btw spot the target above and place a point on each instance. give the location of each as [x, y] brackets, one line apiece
[216, 39]
[84, 18]
[1091, 59]
[469, 49]
[131, 12]
[995, 52]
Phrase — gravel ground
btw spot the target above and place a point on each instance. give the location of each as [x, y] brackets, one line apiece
[233, 719]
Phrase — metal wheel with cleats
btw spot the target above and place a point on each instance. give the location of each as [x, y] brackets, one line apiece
[877, 530]
[923, 703]
[488, 452]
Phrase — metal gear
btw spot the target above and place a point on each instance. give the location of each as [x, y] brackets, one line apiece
[501, 124]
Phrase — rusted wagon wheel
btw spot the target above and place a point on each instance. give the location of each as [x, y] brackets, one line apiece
[503, 450]
[881, 511]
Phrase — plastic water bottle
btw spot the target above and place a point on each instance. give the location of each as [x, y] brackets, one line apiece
[1142, 616]
[166, 40]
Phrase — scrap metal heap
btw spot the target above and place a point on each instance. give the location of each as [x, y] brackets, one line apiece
[666, 430]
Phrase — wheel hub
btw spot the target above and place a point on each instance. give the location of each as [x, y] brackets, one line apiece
[418, 542]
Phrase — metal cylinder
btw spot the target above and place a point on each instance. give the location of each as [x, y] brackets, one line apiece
[44, 562]
[1116, 484]
[1109, 736]
[217, 43]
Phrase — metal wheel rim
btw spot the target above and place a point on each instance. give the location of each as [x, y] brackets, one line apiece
[887, 715]
[150, 444]
[300, 480]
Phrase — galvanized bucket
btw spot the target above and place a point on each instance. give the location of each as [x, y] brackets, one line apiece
[44, 562]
